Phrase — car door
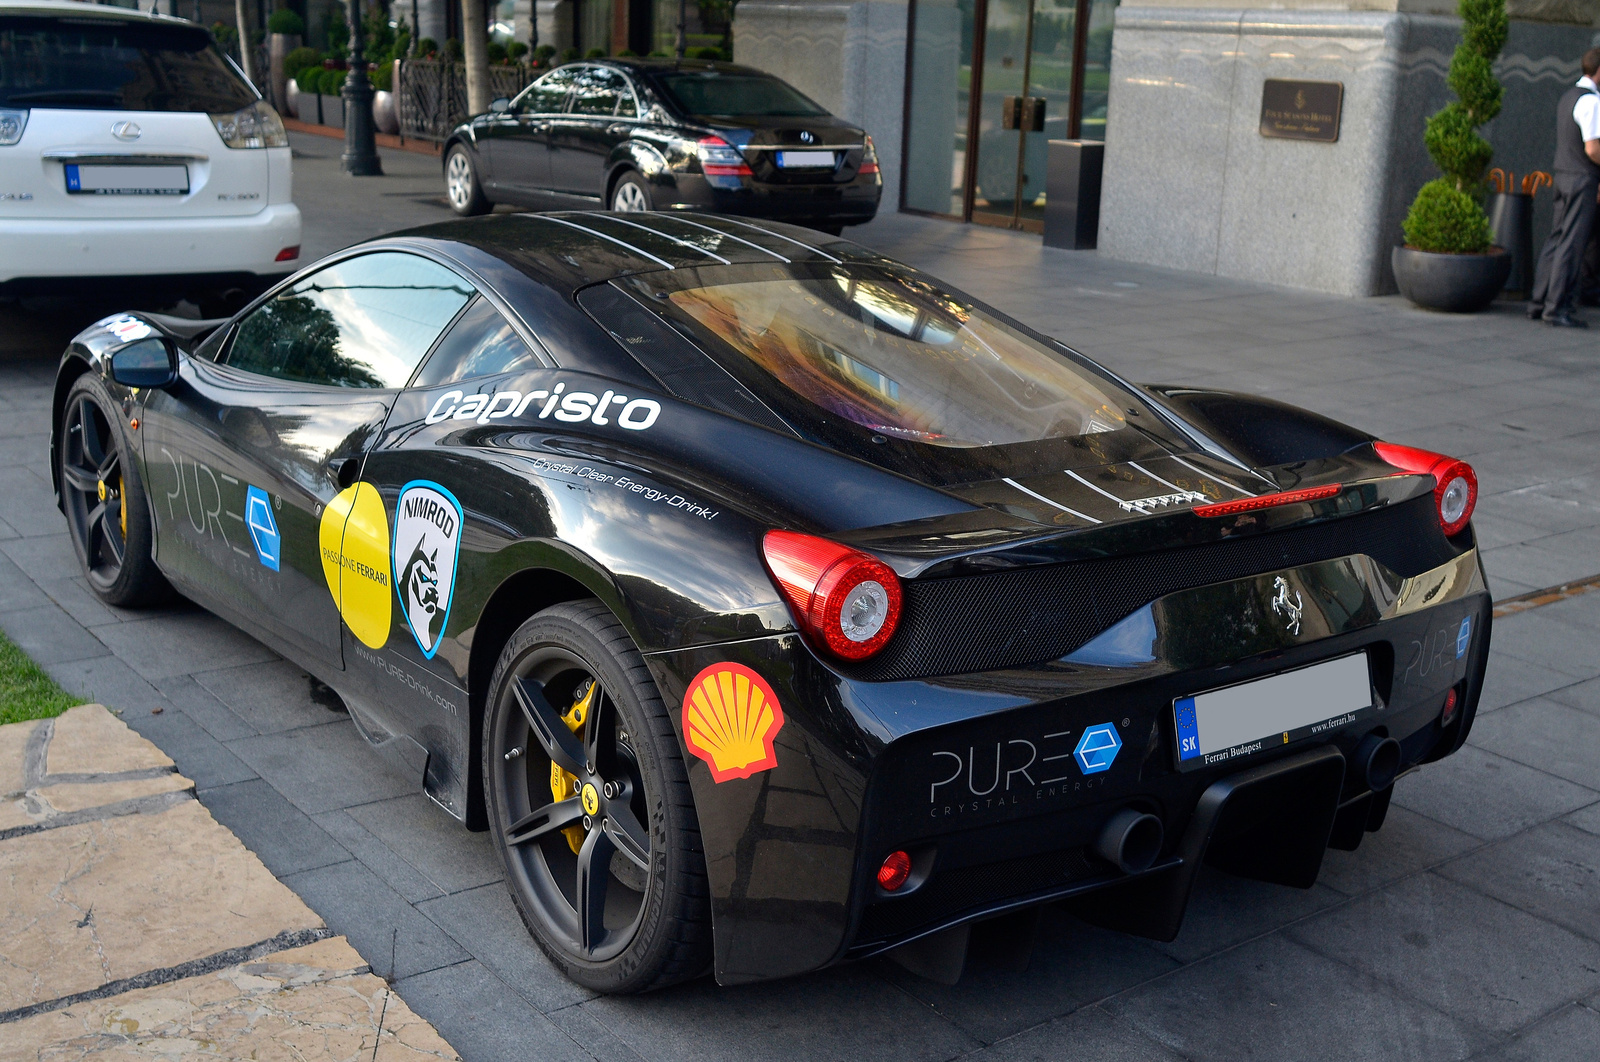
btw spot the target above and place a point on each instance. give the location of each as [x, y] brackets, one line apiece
[252, 458]
[448, 518]
[582, 139]
[519, 153]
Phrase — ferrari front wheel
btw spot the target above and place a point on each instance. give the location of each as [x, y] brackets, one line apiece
[104, 500]
[589, 805]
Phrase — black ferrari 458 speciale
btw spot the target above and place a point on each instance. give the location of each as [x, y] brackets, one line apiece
[775, 604]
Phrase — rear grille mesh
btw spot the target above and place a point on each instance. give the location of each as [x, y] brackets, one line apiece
[950, 893]
[1029, 616]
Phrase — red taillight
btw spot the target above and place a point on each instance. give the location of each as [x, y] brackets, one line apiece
[288, 254]
[1455, 484]
[1267, 501]
[848, 601]
[894, 872]
[718, 158]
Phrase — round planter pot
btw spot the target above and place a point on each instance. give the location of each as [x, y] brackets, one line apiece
[291, 92]
[383, 112]
[1458, 283]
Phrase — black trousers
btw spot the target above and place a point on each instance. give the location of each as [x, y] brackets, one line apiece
[1555, 285]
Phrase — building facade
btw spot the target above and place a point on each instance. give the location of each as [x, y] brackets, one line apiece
[1176, 91]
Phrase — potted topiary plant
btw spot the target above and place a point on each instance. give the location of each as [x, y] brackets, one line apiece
[1448, 261]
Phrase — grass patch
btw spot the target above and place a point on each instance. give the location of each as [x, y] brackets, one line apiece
[25, 691]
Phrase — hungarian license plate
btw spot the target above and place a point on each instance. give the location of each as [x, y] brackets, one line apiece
[1225, 724]
[86, 179]
[804, 160]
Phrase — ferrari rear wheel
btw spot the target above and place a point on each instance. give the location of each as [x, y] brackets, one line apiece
[104, 500]
[590, 807]
[461, 185]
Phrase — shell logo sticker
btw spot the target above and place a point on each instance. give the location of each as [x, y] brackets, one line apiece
[354, 536]
[730, 718]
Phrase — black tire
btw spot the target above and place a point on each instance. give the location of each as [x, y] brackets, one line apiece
[631, 194]
[462, 188]
[654, 922]
[108, 515]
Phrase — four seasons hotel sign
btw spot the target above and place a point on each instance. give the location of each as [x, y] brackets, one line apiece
[1301, 110]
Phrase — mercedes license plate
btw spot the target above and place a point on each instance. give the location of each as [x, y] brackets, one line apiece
[1225, 724]
[803, 160]
[86, 179]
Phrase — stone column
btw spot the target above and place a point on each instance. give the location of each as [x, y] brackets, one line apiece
[555, 24]
[1191, 183]
[848, 55]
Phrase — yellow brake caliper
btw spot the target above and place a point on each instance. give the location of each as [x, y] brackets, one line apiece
[563, 783]
[122, 498]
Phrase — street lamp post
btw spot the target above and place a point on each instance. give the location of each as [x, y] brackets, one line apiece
[360, 158]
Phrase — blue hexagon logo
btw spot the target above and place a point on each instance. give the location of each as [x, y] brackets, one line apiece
[1097, 748]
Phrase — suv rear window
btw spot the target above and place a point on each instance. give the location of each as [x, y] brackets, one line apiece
[108, 64]
[708, 92]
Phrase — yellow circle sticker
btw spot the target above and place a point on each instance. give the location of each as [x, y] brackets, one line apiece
[591, 798]
[354, 536]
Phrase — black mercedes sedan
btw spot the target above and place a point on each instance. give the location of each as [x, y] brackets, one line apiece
[774, 604]
[664, 134]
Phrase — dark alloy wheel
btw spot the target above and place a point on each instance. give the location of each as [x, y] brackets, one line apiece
[104, 501]
[590, 807]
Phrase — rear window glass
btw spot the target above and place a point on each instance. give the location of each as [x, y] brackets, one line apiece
[895, 355]
[714, 92]
[106, 64]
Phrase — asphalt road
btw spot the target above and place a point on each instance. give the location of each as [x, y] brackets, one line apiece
[1470, 927]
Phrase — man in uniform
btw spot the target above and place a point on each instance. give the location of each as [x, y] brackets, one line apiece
[1577, 182]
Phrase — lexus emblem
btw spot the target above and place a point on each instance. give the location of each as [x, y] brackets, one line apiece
[806, 137]
[127, 131]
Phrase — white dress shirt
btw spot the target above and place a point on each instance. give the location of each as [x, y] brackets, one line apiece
[1586, 112]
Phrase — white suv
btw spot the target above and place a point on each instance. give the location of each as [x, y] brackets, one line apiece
[130, 146]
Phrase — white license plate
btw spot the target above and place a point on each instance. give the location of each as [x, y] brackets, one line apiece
[85, 179]
[1221, 725]
[802, 160]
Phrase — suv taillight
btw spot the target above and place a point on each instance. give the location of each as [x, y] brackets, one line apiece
[255, 126]
[847, 601]
[12, 123]
[1455, 485]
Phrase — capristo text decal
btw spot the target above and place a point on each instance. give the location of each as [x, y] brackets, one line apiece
[354, 538]
[427, 543]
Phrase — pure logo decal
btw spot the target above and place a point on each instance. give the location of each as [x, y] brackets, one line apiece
[1464, 637]
[427, 544]
[1098, 748]
[263, 528]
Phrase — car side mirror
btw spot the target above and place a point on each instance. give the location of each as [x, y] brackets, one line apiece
[151, 362]
[501, 105]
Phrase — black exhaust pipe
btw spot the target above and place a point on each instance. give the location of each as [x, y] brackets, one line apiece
[1378, 758]
[1131, 840]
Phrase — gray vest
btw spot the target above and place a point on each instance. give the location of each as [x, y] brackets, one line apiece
[1570, 157]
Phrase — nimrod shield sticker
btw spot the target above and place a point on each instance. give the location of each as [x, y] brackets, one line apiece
[427, 541]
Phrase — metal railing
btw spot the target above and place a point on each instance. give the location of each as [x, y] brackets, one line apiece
[431, 94]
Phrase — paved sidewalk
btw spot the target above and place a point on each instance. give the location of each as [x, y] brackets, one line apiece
[132, 924]
[1470, 927]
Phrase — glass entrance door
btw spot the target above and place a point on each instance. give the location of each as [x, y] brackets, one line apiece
[985, 101]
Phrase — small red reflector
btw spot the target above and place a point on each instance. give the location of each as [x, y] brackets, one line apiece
[288, 254]
[1267, 501]
[1448, 716]
[894, 872]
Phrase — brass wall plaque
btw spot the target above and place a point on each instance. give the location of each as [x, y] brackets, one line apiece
[1301, 110]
